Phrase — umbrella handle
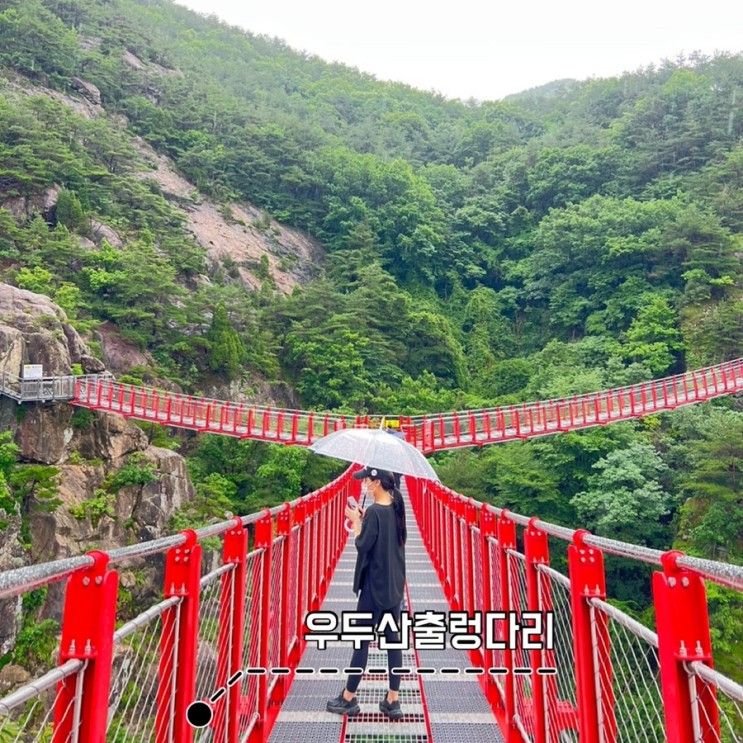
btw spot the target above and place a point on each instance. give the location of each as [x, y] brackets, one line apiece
[348, 524]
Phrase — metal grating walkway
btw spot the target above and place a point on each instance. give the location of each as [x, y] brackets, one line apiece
[438, 708]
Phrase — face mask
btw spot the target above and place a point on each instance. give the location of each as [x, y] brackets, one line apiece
[365, 492]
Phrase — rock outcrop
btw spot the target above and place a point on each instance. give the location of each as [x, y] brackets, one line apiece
[119, 355]
[236, 237]
[87, 90]
[25, 208]
[100, 232]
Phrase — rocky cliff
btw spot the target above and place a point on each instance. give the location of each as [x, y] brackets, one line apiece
[110, 487]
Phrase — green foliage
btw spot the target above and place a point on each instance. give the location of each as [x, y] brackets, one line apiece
[137, 471]
[279, 478]
[36, 279]
[653, 337]
[227, 350]
[35, 487]
[100, 504]
[35, 643]
[626, 498]
[711, 522]
[34, 41]
[69, 211]
[726, 628]
[8, 454]
[82, 418]
[158, 435]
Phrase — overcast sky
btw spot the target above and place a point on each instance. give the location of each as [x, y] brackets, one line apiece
[487, 49]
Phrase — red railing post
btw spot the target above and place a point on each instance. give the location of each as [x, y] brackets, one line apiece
[88, 622]
[314, 593]
[593, 673]
[506, 530]
[300, 519]
[536, 552]
[470, 520]
[283, 528]
[178, 643]
[682, 622]
[231, 625]
[327, 538]
[443, 520]
[263, 540]
[457, 553]
[450, 520]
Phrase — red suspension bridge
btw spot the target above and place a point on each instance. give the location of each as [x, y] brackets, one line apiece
[229, 623]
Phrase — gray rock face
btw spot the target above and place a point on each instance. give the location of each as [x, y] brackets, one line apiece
[34, 330]
[88, 90]
[26, 207]
[101, 232]
[11, 556]
[91, 365]
[119, 355]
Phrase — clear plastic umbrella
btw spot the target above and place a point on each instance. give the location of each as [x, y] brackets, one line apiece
[375, 447]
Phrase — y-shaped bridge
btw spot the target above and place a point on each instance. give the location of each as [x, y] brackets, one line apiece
[226, 617]
[430, 433]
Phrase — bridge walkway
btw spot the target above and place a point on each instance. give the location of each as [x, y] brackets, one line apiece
[445, 708]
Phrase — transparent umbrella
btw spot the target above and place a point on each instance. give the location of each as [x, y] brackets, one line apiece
[375, 447]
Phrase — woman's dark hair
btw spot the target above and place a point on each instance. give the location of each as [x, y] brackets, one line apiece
[388, 483]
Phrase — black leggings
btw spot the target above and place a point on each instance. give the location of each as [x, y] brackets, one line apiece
[361, 654]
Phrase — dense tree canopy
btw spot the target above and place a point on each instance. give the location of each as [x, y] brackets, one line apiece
[569, 238]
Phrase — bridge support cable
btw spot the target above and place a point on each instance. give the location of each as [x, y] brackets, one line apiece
[228, 635]
[604, 676]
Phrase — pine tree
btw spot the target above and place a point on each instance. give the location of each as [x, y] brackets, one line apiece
[69, 210]
[227, 350]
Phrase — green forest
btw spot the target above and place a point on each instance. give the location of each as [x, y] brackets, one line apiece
[570, 238]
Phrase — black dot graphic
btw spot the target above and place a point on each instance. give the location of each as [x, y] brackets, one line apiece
[199, 714]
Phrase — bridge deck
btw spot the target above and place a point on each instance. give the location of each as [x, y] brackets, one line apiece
[442, 708]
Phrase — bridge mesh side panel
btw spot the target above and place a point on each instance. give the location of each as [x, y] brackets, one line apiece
[729, 703]
[561, 697]
[33, 719]
[210, 647]
[276, 608]
[294, 567]
[136, 680]
[635, 684]
[251, 636]
[521, 682]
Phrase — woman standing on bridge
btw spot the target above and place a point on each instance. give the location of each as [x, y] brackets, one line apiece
[380, 576]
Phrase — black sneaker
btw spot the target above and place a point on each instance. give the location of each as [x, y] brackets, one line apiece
[341, 706]
[391, 709]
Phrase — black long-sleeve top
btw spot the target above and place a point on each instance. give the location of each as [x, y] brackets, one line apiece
[381, 555]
